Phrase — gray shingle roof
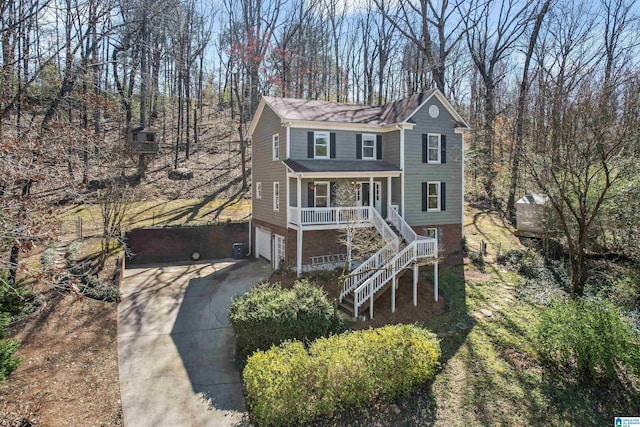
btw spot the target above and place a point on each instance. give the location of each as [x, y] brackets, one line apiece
[311, 110]
[340, 166]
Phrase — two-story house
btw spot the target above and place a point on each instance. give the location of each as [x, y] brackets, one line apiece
[405, 158]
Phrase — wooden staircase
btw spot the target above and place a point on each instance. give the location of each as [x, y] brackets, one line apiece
[375, 275]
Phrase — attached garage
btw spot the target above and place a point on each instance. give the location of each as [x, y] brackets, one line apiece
[263, 243]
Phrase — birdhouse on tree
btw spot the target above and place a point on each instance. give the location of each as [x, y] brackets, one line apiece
[143, 140]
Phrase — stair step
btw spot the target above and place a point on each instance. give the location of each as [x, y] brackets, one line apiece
[348, 299]
[347, 308]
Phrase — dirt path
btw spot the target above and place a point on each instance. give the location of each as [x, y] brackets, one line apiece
[69, 375]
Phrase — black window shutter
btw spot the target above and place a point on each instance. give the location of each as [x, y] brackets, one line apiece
[332, 143]
[311, 202]
[424, 196]
[310, 148]
[443, 148]
[424, 148]
[443, 196]
[332, 193]
[358, 146]
[379, 147]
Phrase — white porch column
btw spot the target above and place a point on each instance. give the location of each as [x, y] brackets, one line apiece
[371, 201]
[393, 294]
[416, 270]
[388, 194]
[435, 274]
[435, 281]
[299, 233]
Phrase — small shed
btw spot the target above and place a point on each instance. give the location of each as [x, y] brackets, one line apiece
[143, 140]
[532, 214]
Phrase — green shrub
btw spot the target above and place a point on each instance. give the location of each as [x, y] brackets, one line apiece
[590, 336]
[16, 300]
[289, 385]
[91, 285]
[8, 363]
[477, 259]
[268, 315]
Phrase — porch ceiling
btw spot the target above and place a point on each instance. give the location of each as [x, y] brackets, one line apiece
[342, 167]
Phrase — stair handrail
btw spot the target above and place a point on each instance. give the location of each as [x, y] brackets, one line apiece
[375, 261]
[381, 225]
[419, 248]
[401, 225]
[373, 264]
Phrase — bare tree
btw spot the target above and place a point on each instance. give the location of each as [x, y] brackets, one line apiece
[433, 27]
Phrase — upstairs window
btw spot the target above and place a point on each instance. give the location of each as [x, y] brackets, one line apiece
[321, 145]
[433, 148]
[276, 147]
[368, 147]
[433, 196]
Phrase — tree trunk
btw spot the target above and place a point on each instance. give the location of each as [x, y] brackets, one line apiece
[520, 107]
[13, 263]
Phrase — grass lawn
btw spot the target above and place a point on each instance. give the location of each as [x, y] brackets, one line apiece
[162, 213]
[491, 374]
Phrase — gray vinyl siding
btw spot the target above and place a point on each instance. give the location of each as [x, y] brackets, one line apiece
[417, 172]
[391, 147]
[293, 192]
[346, 144]
[267, 171]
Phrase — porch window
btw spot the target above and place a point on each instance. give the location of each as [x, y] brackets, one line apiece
[433, 196]
[321, 195]
[432, 232]
[276, 196]
[433, 148]
[369, 147]
[321, 145]
[276, 147]
[258, 190]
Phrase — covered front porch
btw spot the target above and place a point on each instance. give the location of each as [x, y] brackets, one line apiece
[334, 194]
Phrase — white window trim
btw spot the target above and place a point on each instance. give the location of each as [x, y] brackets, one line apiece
[327, 136]
[275, 146]
[315, 192]
[276, 196]
[438, 189]
[435, 232]
[258, 190]
[372, 137]
[439, 160]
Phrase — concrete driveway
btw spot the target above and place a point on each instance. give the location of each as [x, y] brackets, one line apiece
[175, 345]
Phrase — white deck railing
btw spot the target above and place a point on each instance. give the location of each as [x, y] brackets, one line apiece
[329, 216]
[420, 248]
[378, 260]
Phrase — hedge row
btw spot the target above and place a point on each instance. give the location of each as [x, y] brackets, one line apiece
[268, 315]
[291, 385]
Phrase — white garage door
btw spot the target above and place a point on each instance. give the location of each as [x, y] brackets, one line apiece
[263, 243]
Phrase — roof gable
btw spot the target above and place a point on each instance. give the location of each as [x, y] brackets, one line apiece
[397, 112]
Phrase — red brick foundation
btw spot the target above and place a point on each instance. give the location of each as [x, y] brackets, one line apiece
[325, 242]
[314, 242]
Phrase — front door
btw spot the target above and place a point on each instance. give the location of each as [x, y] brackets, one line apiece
[363, 195]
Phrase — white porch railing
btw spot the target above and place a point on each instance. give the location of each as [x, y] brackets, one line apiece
[328, 216]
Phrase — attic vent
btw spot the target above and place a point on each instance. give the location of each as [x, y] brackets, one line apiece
[434, 111]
